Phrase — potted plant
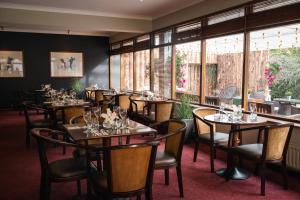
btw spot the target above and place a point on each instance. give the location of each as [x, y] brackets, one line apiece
[184, 112]
[288, 94]
[77, 87]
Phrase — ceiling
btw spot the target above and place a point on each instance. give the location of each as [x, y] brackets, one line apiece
[136, 9]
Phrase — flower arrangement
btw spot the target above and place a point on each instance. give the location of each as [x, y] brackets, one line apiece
[271, 73]
[109, 117]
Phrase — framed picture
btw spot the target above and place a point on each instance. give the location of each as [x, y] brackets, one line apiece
[66, 64]
[11, 64]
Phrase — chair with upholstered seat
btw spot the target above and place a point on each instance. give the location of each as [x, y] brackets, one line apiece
[123, 101]
[70, 112]
[163, 112]
[206, 133]
[30, 124]
[272, 149]
[63, 170]
[128, 171]
[171, 156]
[137, 108]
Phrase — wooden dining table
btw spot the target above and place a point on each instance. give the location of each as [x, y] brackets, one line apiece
[77, 132]
[235, 173]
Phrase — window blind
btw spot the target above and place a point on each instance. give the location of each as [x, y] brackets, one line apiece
[226, 16]
[271, 4]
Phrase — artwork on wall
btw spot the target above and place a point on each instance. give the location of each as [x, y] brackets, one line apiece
[11, 64]
[66, 64]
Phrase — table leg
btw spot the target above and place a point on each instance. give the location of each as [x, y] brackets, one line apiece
[234, 173]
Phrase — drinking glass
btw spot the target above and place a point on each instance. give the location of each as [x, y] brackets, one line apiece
[123, 114]
[253, 114]
[118, 124]
[87, 117]
[116, 109]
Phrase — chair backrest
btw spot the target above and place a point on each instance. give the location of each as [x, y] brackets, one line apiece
[130, 167]
[136, 105]
[70, 112]
[163, 111]
[276, 141]
[44, 136]
[123, 102]
[200, 125]
[175, 137]
[99, 95]
[89, 94]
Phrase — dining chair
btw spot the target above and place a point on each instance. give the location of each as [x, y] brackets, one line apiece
[99, 97]
[163, 112]
[70, 112]
[123, 101]
[62, 170]
[271, 148]
[137, 108]
[207, 134]
[30, 123]
[174, 131]
[123, 177]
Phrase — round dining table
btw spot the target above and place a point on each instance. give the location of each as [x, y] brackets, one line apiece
[235, 173]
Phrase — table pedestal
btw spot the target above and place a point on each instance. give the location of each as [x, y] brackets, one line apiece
[235, 173]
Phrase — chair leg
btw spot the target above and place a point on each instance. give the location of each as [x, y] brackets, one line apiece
[78, 187]
[215, 154]
[166, 176]
[263, 179]
[212, 165]
[284, 174]
[27, 138]
[47, 190]
[138, 197]
[196, 147]
[179, 177]
[148, 193]
[256, 172]
[64, 146]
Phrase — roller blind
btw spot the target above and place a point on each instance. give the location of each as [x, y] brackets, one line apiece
[271, 4]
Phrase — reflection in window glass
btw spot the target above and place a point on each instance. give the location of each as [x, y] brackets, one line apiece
[187, 69]
[163, 38]
[127, 71]
[161, 71]
[115, 72]
[274, 71]
[142, 70]
[223, 70]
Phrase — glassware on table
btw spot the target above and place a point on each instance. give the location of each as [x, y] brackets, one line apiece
[118, 124]
[87, 117]
[222, 109]
[239, 113]
[116, 109]
[253, 115]
[123, 115]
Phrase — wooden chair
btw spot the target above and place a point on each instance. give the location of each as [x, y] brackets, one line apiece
[123, 177]
[30, 124]
[273, 149]
[70, 112]
[171, 156]
[137, 108]
[207, 134]
[123, 101]
[163, 112]
[64, 170]
[99, 97]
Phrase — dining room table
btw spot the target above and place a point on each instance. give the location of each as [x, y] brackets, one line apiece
[79, 132]
[235, 173]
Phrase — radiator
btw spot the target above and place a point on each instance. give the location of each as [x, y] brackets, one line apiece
[293, 157]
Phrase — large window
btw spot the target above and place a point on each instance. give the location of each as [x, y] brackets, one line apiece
[127, 71]
[274, 71]
[142, 70]
[161, 71]
[223, 70]
[115, 73]
[187, 69]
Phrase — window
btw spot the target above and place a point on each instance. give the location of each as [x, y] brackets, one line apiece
[187, 69]
[271, 4]
[225, 16]
[161, 71]
[115, 72]
[223, 70]
[188, 27]
[127, 71]
[163, 38]
[274, 71]
[142, 70]
[115, 46]
[143, 38]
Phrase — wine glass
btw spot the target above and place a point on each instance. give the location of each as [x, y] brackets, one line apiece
[87, 117]
[253, 114]
[123, 114]
[118, 124]
[116, 109]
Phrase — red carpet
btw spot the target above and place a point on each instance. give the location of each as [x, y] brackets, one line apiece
[20, 173]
